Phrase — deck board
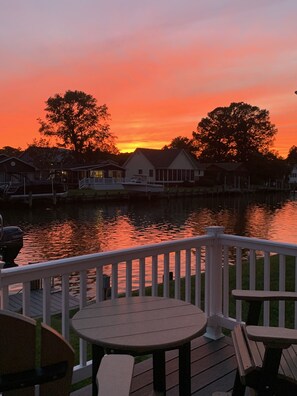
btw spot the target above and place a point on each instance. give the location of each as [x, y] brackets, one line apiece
[213, 369]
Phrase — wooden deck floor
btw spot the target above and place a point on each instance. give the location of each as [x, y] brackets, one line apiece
[213, 369]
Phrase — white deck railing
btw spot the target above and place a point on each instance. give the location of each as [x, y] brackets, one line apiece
[100, 183]
[214, 254]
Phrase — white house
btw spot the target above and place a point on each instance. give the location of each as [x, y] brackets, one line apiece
[293, 175]
[169, 166]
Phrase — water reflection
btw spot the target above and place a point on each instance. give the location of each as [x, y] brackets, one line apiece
[81, 229]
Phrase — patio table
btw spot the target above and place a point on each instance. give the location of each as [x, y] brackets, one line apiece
[143, 325]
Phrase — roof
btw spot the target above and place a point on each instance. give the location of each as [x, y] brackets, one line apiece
[99, 165]
[15, 163]
[227, 166]
[164, 158]
[3, 157]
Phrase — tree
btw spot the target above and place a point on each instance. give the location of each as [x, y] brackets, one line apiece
[234, 133]
[44, 157]
[78, 123]
[182, 142]
[292, 156]
[267, 167]
[11, 151]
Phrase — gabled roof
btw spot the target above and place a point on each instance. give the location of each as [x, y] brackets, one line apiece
[163, 158]
[227, 166]
[13, 161]
[99, 165]
[3, 157]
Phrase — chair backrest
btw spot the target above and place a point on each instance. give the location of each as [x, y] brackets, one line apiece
[17, 346]
[31, 355]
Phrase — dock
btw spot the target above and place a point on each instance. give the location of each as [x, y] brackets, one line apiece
[36, 301]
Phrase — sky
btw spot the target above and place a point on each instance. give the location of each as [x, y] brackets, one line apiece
[159, 65]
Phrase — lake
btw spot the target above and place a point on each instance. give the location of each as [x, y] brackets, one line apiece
[64, 231]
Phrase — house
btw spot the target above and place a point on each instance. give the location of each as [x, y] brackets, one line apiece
[169, 166]
[293, 176]
[96, 176]
[13, 170]
[62, 165]
[49, 161]
[229, 174]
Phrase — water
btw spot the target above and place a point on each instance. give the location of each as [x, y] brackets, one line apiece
[78, 229]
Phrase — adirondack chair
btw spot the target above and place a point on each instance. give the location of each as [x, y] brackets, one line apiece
[266, 356]
[33, 355]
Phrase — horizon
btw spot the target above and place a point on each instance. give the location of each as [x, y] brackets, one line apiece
[160, 67]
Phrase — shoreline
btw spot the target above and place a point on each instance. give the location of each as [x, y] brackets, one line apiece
[84, 196]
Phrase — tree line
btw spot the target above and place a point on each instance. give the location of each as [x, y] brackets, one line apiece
[239, 132]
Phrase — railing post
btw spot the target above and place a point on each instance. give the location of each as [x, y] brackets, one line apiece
[213, 283]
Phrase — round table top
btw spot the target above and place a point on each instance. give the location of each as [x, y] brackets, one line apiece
[140, 324]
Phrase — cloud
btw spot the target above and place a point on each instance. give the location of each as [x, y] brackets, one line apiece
[160, 66]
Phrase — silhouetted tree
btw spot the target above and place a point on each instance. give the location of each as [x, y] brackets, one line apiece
[45, 157]
[182, 142]
[292, 156]
[11, 151]
[267, 167]
[234, 133]
[78, 123]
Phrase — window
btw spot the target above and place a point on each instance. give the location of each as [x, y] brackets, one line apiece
[97, 173]
[151, 173]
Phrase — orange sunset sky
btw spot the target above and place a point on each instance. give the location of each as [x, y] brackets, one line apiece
[159, 65]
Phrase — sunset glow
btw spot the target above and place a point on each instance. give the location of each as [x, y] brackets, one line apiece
[160, 66]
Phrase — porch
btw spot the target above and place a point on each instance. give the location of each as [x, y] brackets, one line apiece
[201, 268]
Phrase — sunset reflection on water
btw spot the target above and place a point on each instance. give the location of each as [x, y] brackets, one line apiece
[71, 231]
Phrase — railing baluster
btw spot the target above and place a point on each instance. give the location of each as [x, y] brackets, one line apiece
[114, 287]
[166, 276]
[65, 306]
[177, 275]
[266, 287]
[142, 276]
[82, 303]
[238, 281]
[46, 283]
[100, 292]
[129, 278]
[82, 289]
[252, 264]
[198, 277]
[26, 299]
[282, 286]
[188, 276]
[154, 275]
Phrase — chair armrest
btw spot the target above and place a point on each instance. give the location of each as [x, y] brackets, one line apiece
[262, 295]
[114, 376]
[276, 337]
